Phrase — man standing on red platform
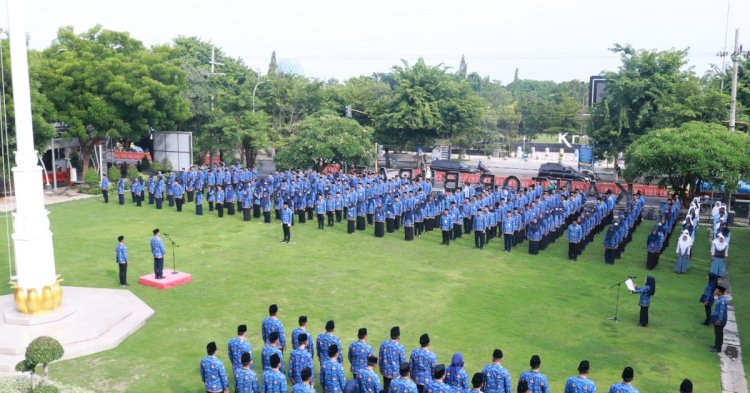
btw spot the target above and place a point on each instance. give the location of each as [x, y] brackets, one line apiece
[157, 249]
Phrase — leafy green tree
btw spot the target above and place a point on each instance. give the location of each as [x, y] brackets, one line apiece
[426, 104]
[651, 90]
[42, 110]
[221, 104]
[327, 139]
[683, 157]
[104, 84]
[289, 99]
[42, 351]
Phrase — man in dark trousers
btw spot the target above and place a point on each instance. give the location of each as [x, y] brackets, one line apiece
[158, 251]
[719, 318]
[121, 254]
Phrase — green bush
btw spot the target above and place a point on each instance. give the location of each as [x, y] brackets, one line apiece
[166, 165]
[132, 172]
[91, 178]
[114, 174]
[145, 164]
[46, 389]
[44, 350]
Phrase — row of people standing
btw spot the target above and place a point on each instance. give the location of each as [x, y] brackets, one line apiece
[388, 204]
[658, 239]
[421, 372]
[620, 233]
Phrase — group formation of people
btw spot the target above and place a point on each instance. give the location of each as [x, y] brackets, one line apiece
[620, 232]
[658, 239]
[386, 205]
[420, 372]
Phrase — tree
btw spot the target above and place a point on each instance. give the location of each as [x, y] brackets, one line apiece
[651, 90]
[221, 105]
[42, 110]
[684, 157]
[106, 84]
[426, 104]
[272, 65]
[328, 139]
[41, 351]
[462, 68]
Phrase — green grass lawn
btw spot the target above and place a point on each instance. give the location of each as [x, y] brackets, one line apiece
[468, 300]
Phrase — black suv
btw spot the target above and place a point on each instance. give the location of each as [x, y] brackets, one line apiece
[554, 170]
[451, 166]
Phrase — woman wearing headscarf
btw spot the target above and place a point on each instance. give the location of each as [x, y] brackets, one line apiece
[707, 298]
[653, 247]
[684, 245]
[719, 254]
[646, 292]
[456, 376]
[724, 230]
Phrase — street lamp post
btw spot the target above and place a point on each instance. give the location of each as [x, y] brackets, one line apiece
[254, 90]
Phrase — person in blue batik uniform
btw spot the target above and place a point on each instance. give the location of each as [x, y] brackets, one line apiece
[351, 218]
[390, 356]
[653, 247]
[219, 201]
[302, 329]
[624, 386]
[286, 222]
[707, 298]
[327, 339]
[479, 226]
[610, 246]
[535, 380]
[496, 377]
[437, 384]
[306, 386]
[508, 231]
[423, 362]
[104, 186]
[300, 359]
[274, 380]
[158, 251]
[446, 226]
[320, 210]
[121, 257]
[237, 346]
[245, 379]
[581, 383]
[367, 380]
[476, 383]
[646, 292]
[359, 351]
[269, 350]
[456, 376]
[332, 376]
[213, 375]
[179, 195]
[199, 203]
[273, 324]
[719, 318]
[402, 384]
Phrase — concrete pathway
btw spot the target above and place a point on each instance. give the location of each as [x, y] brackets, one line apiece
[8, 203]
[732, 371]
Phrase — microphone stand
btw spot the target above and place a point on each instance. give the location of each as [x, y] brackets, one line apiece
[617, 304]
[174, 263]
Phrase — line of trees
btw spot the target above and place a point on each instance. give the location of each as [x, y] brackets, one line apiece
[102, 84]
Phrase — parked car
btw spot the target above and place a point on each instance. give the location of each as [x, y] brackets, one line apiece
[452, 166]
[554, 170]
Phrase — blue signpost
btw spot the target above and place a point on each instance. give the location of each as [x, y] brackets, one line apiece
[586, 158]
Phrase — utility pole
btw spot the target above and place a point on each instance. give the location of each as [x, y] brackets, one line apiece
[736, 65]
[213, 72]
[737, 55]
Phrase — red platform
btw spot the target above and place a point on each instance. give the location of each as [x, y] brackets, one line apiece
[169, 281]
